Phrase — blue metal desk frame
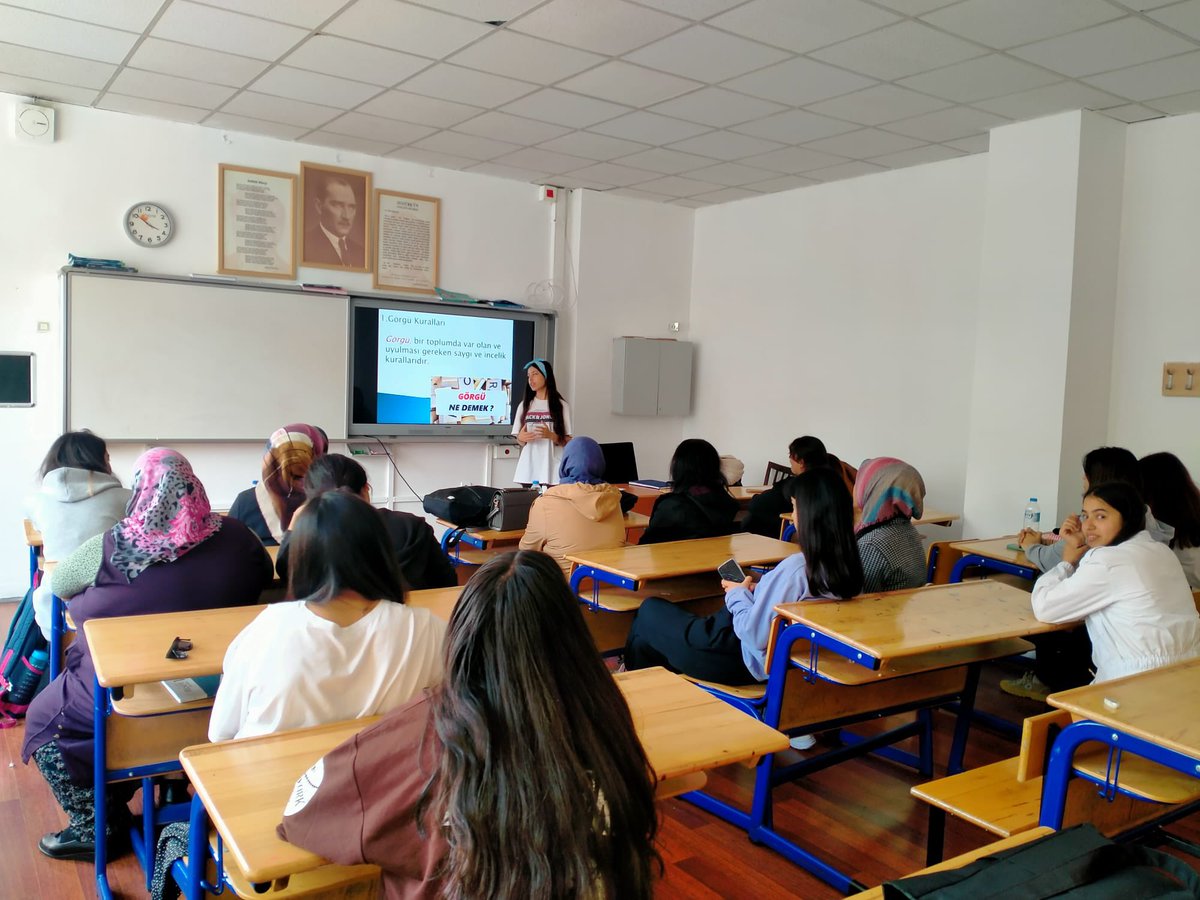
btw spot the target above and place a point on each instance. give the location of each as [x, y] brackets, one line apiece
[464, 537]
[975, 561]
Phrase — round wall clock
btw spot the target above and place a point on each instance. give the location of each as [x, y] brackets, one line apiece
[148, 225]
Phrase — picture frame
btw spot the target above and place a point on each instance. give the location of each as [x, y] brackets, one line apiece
[407, 242]
[335, 208]
[256, 222]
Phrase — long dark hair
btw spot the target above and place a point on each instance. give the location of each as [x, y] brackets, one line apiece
[76, 450]
[333, 471]
[825, 532]
[553, 397]
[810, 451]
[1172, 496]
[339, 543]
[696, 463]
[544, 788]
[1127, 501]
[1112, 464]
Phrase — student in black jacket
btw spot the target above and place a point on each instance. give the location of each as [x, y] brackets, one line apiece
[698, 504]
[421, 559]
[804, 454]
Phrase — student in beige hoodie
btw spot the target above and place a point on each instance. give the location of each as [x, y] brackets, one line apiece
[581, 512]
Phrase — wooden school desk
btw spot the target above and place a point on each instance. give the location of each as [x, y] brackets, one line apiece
[244, 785]
[787, 528]
[647, 495]
[33, 540]
[487, 538]
[992, 556]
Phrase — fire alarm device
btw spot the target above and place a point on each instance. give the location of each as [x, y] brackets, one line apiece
[549, 192]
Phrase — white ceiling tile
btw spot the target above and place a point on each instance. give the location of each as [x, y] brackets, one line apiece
[792, 160]
[516, 129]
[54, 67]
[169, 89]
[219, 29]
[690, 203]
[611, 173]
[799, 81]
[573, 182]
[1133, 112]
[675, 186]
[34, 29]
[914, 7]
[1114, 45]
[305, 13]
[844, 171]
[543, 160]
[1162, 78]
[128, 15]
[561, 108]
[783, 183]
[717, 107]
[947, 124]
[421, 110]
[186, 61]
[461, 85]
[280, 109]
[639, 194]
[465, 145]
[1180, 104]
[505, 52]
[975, 144]
[510, 172]
[47, 90]
[864, 144]
[706, 54]
[402, 26]
[141, 106]
[726, 195]
[795, 127]
[1143, 5]
[981, 78]
[313, 87]
[429, 158]
[343, 58]
[345, 142]
[899, 50]
[230, 122]
[1053, 98]
[665, 162]
[691, 9]
[917, 156]
[1009, 23]
[1183, 17]
[730, 174]
[484, 10]
[725, 145]
[376, 128]
[621, 82]
[613, 27]
[803, 25]
[649, 128]
[879, 104]
[593, 146]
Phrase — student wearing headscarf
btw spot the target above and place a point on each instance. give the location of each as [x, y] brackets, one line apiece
[581, 512]
[268, 507]
[169, 554]
[888, 495]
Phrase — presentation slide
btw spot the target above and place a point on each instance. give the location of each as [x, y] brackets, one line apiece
[438, 369]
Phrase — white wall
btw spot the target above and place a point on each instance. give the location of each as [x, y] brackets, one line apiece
[847, 311]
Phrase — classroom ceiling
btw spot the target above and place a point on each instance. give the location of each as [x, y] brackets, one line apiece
[692, 102]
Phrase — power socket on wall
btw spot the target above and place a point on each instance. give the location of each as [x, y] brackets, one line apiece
[504, 451]
[1181, 379]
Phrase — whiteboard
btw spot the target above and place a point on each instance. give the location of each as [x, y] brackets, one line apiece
[152, 358]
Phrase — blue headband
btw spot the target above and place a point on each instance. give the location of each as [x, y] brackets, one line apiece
[541, 366]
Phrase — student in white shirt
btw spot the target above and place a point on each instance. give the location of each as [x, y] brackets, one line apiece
[542, 425]
[348, 648]
[1128, 588]
[1173, 498]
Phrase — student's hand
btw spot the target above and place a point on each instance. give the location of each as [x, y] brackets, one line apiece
[525, 435]
[545, 433]
[1074, 546]
[728, 586]
[1029, 537]
[1071, 525]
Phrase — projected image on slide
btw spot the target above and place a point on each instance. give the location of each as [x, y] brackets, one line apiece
[444, 369]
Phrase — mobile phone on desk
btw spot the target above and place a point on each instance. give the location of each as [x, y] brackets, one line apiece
[731, 571]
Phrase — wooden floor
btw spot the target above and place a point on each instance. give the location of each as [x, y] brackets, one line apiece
[858, 816]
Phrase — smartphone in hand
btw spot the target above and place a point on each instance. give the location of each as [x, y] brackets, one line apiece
[731, 571]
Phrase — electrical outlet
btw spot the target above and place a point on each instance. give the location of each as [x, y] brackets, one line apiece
[43, 326]
[1181, 379]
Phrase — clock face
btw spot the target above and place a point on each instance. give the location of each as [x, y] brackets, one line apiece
[149, 225]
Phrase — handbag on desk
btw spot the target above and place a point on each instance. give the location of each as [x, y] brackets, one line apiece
[510, 508]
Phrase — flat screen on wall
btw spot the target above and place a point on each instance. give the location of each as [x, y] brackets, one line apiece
[437, 371]
[16, 378]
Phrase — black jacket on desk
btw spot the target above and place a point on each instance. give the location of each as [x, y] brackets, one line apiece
[698, 513]
[418, 552]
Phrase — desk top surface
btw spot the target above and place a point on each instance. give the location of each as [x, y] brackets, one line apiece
[632, 520]
[1162, 705]
[996, 548]
[675, 558]
[33, 537]
[924, 620]
[245, 784]
[741, 493]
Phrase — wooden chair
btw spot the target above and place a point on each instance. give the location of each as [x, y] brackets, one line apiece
[775, 473]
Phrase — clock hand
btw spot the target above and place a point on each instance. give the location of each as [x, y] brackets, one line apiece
[145, 219]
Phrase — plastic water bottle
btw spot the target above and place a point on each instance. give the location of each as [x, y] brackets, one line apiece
[537, 486]
[26, 676]
[1033, 515]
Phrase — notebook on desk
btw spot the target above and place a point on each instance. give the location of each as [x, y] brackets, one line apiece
[652, 484]
[185, 690]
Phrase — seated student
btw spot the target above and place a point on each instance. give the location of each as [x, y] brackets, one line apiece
[698, 504]
[581, 512]
[520, 776]
[730, 646]
[170, 553]
[347, 647]
[413, 543]
[1175, 502]
[1127, 587]
[804, 453]
[79, 498]
[888, 494]
[268, 507]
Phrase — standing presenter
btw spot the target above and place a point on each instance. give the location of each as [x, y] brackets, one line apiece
[542, 424]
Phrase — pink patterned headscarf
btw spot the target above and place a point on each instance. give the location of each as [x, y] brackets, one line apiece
[887, 488]
[167, 516]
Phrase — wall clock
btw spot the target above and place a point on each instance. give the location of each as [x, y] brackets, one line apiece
[149, 225]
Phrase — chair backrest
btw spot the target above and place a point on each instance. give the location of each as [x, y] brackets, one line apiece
[620, 462]
[776, 473]
[1037, 736]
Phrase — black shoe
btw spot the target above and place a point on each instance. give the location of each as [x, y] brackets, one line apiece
[67, 844]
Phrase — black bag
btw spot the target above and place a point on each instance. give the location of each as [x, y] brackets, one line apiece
[467, 506]
[510, 508]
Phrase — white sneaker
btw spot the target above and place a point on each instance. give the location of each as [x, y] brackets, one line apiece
[803, 742]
